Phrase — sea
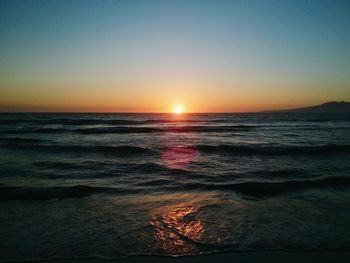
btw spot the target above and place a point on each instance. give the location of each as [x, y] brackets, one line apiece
[116, 185]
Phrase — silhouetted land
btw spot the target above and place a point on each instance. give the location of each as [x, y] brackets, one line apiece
[328, 107]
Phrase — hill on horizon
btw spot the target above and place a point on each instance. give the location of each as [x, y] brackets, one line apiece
[327, 107]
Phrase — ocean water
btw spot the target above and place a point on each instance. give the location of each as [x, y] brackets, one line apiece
[115, 185]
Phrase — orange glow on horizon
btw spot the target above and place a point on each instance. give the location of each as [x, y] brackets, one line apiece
[154, 101]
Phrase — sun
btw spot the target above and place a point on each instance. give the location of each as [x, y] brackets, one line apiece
[178, 109]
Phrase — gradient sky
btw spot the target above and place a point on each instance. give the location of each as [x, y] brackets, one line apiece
[209, 56]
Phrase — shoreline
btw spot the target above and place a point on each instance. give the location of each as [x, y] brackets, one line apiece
[240, 257]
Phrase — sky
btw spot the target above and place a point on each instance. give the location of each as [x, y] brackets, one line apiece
[148, 56]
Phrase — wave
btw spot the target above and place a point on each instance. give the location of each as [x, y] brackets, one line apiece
[117, 150]
[64, 165]
[173, 129]
[44, 193]
[14, 140]
[128, 129]
[161, 169]
[71, 121]
[225, 149]
[31, 130]
[251, 189]
[165, 129]
[111, 130]
[151, 167]
[68, 121]
[30, 193]
[225, 128]
[273, 150]
[269, 189]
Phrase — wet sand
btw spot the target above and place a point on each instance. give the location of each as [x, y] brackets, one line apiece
[238, 257]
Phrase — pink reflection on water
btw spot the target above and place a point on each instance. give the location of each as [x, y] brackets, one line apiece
[179, 157]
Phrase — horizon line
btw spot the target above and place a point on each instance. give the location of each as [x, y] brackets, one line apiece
[170, 112]
[130, 112]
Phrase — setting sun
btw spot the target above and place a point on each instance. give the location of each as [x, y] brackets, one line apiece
[178, 109]
[165, 129]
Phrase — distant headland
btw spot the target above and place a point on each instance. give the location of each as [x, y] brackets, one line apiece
[328, 107]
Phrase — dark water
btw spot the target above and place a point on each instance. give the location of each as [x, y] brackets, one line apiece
[113, 185]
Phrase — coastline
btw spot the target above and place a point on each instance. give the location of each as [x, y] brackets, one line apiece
[241, 257]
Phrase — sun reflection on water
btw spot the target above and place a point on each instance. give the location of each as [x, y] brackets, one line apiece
[178, 230]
